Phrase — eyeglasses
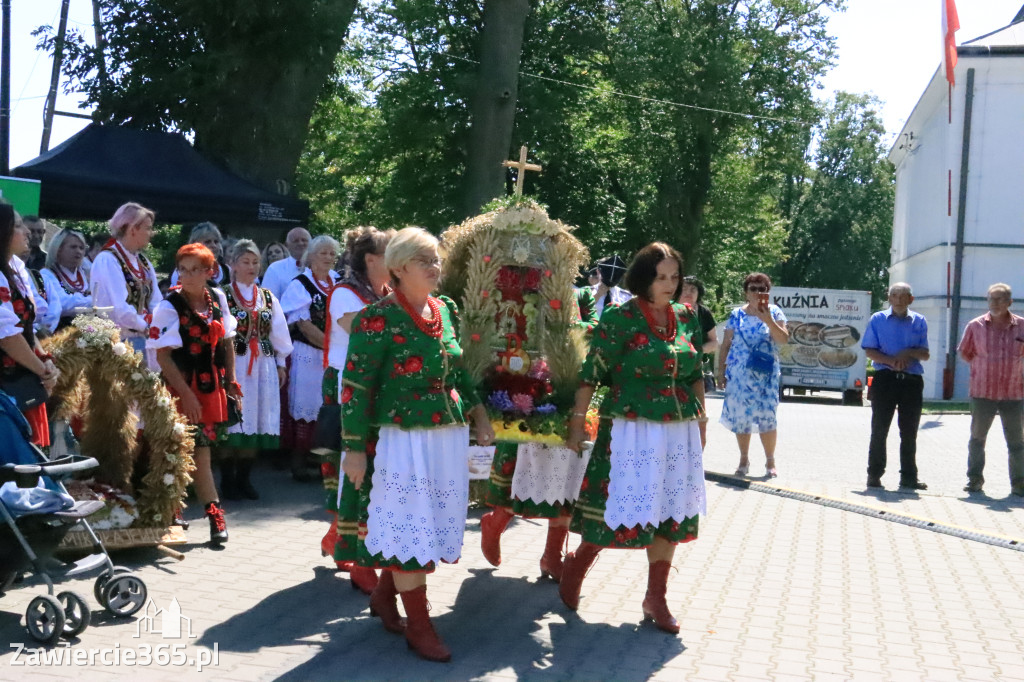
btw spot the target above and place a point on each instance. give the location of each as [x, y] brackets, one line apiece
[427, 262]
[188, 272]
[758, 290]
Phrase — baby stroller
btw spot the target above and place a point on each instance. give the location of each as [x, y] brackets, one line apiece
[37, 512]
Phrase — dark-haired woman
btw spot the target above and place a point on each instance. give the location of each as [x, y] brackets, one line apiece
[363, 281]
[191, 334]
[752, 388]
[20, 351]
[692, 295]
[644, 485]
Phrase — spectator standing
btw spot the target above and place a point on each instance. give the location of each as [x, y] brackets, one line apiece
[993, 345]
[35, 259]
[280, 273]
[693, 294]
[607, 291]
[208, 234]
[896, 342]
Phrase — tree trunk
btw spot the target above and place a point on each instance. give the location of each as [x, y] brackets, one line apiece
[492, 108]
[278, 99]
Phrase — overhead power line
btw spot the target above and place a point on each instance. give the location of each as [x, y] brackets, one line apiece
[654, 100]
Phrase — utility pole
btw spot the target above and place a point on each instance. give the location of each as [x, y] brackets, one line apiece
[5, 88]
[101, 46]
[58, 61]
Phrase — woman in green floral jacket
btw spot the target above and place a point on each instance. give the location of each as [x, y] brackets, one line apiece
[404, 432]
[644, 486]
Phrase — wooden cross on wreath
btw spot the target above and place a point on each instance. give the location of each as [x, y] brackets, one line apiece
[521, 166]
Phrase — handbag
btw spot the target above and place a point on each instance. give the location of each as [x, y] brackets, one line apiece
[234, 413]
[327, 435]
[26, 388]
[761, 362]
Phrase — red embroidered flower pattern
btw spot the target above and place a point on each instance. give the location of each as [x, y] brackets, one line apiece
[195, 331]
[508, 467]
[183, 320]
[630, 415]
[195, 349]
[346, 394]
[413, 364]
[350, 366]
[205, 377]
[19, 306]
[640, 339]
[436, 417]
[154, 333]
[398, 338]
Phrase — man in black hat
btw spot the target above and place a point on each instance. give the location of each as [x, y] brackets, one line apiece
[611, 270]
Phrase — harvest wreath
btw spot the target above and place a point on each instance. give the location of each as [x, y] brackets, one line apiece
[512, 270]
[100, 378]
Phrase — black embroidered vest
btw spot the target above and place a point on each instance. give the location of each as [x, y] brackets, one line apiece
[317, 310]
[247, 326]
[139, 290]
[197, 358]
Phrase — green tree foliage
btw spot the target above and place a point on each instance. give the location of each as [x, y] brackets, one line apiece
[842, 228]
[242, 75]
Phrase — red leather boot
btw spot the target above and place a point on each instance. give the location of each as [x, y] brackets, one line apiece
[551, 560]
[492, 525]
[655, 607]
[363, 579]
[330, 537]
[574, 570]
[384, 603]
[419, 631]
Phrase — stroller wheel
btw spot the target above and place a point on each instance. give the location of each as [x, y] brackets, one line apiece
[77, 615]
[124, 594]
[101, 582]
[44, 619]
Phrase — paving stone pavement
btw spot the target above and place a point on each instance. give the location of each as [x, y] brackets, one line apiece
[774, 589]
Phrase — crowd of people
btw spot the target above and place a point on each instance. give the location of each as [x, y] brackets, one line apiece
[347, 351]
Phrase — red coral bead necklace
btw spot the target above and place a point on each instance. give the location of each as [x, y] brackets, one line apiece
[430, 327]
[247, 304]
[138, 272]
[661, 331]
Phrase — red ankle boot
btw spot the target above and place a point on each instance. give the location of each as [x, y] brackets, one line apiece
[384, 604]
[655, 606]
[363, 579]
[218, 529]
[574, 570]
[492, 525]
[551, 560]
[330, 537]
[419, 631]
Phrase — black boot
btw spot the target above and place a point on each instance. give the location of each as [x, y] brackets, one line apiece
[242, 482]
[229, 479]
[218, 529]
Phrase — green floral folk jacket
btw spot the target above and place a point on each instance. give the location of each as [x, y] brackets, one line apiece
[649, 377]
[397, 374]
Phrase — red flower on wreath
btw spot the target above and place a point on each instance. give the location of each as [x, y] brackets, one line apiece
[195, 349]
[413, 364]
[5, 294]
[346, 394]
[555, 304]
[474, 337]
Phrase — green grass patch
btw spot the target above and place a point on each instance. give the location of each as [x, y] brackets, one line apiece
[946, 407]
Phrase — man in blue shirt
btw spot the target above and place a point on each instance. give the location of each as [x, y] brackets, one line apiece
[896, 341]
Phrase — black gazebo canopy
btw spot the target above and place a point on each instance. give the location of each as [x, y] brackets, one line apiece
[91, 174]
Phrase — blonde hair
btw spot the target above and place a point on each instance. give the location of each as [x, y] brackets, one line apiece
[317, 244]
[406, 245]
[244, 246]
[57, 242]
[128, 215]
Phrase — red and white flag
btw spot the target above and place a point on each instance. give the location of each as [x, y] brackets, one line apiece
[950, 25]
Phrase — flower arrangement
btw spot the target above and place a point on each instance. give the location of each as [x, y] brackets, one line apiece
[512, 270]
[101, 378]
